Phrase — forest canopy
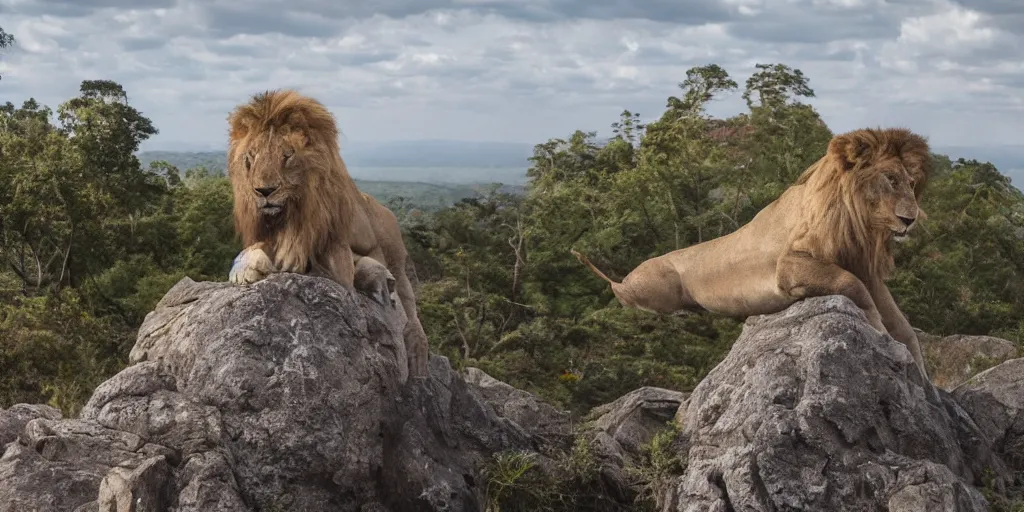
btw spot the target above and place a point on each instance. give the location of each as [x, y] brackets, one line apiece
[90, 240]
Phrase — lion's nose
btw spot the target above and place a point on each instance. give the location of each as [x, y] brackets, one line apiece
[906, 220]
[266, 191]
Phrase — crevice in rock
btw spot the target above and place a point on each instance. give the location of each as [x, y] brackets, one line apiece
[718, 479]
[874, 441]
[759, 486]
[837, 434]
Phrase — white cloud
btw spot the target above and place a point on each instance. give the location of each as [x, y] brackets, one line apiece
[523, 70]
[953, 29]
[39, 35]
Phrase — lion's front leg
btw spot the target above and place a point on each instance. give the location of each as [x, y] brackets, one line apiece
[290, 259]
[341, 266]
[897, 323]
[251, 265]
[801, 276]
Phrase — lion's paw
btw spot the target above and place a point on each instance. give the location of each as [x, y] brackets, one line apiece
[375, 280]
[290, 262]
[251, 265]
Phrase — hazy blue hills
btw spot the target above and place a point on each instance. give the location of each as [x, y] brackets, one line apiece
[438, 153]
[470, 162]
[430, 161]
[430, 174]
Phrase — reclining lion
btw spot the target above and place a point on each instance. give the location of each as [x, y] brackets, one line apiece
[828, 234]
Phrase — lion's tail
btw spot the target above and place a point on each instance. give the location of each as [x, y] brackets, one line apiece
[583, 259]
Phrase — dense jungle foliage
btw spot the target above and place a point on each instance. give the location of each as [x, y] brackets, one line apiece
[90, 240]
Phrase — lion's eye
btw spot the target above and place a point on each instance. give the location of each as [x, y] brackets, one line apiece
[288, 154]
[247, 161]
[892, 180]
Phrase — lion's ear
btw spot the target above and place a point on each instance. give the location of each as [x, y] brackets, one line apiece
[849, 151]
[239, 127]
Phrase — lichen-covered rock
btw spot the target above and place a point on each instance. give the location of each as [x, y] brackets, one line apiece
[952, 360]
[815, 410]
[621, 430]
[546, 424]
[285, 395]
[995, 399]
[57, 465]
[13, 420]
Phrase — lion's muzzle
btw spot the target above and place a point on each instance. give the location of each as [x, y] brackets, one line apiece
[266, 206]
[270, 210]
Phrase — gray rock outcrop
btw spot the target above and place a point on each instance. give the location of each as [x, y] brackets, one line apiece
[285, 395]
[995, 399]
[550, 427]
[955, 359]
[291, 394]
[13, 420]
[814, 410]
[621, 431]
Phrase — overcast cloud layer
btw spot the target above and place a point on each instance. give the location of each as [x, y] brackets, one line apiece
[522, 70]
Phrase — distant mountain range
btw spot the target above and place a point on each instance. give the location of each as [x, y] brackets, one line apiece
[431, 161]
[465, 162]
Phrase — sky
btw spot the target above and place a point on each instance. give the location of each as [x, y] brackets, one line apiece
[522, 70]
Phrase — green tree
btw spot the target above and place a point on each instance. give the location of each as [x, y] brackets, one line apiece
[775, 86]
[6, 40]
[36, 173]
[702, 84]
[76, 192]
[785, 137]
[88, 241]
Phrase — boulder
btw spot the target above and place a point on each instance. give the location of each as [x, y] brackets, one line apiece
[13, 420]
[815, 410]
[995, 399]
[292, 394]
[289, 394]
[631, 421]
[951, 360]
[620, 432]
[549, 427]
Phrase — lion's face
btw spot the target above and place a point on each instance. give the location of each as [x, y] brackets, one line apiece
[896, 204]
[888, 169]
[273, 172]
[899, 205]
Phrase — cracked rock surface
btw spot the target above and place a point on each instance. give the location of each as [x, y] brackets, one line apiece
[815, 410]
[289, 394]
[995, 399]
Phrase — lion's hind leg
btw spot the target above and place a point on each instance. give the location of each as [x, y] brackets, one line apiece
[416, 345]
[655, 286]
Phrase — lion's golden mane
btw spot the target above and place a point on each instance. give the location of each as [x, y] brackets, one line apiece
[317, 213]
[839, 222]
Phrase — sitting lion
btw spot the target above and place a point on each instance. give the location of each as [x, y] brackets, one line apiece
[298, 210]
[827, 234]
